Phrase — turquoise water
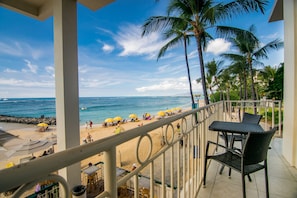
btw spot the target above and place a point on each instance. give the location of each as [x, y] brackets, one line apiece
[96, 109]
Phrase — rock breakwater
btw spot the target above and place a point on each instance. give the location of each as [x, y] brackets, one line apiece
[28, 120]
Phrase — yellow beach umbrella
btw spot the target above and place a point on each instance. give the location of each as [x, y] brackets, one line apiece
[133, 116]
[42, 124]
[108, 120]
[168, 111]
[117, 118]
[161, 113]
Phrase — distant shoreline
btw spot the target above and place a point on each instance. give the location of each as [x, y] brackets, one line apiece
[28, 120]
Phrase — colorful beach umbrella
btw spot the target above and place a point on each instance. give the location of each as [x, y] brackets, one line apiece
[133, 116]
[117, 118]
[108, 120]
[161, 113]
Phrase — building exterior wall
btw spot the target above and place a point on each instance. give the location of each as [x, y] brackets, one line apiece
[290, 82]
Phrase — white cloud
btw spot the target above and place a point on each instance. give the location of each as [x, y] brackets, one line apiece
[130, 39]
[20, 49]
[218, 46]
[11, 82]
[10, 71]
[13, 49]
[32, 68]
[167, 84]
[50, 70]
[107, 48]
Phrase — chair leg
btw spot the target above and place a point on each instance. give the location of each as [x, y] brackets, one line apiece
[204, 175]
[222, 169]
[229, 172]
[266, 180]
[250, 179]
[243, 185]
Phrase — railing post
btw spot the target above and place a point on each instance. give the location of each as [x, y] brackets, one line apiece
[279, 118]
[110, 176]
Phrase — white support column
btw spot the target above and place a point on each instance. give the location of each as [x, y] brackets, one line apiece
[66, 74]
[110, 175]
[290, 82]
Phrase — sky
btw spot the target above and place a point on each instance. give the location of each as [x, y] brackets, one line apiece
[113, 58]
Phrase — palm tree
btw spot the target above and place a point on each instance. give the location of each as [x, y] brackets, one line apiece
[212, 73]
[200, 15]
[250, 47]
[238, 68]
[265, 77]
[178, 34]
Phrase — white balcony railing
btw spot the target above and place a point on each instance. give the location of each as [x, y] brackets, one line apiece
[175, 170]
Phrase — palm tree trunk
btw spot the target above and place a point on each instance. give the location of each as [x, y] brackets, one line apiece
[253, 87]
[188, 70]
[200, 55]
[245, 85]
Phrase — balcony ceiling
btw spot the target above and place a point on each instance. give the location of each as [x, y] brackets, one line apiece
[277, 12]
[43, 9]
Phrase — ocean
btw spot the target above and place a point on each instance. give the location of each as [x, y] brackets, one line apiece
[96, 109]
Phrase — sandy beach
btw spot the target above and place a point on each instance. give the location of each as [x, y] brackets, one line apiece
[124, 157]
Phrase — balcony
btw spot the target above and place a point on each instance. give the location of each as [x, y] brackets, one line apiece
[282, 179]
[173, 170]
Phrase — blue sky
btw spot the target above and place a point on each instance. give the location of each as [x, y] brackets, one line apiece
[114, 60]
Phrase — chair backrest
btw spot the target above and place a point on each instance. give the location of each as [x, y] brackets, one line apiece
[256, 146]
[251, 118]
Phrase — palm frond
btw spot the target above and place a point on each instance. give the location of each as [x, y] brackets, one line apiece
[158, 23]
[245, 6]
[263, 51]
[172, 43]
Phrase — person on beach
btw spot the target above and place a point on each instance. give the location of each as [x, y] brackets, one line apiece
[86, 125]
[91, 124]
[119, 129]
[133, 167]
[89, 138]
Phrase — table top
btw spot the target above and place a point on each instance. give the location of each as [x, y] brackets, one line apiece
[90, 170]
[235, 127]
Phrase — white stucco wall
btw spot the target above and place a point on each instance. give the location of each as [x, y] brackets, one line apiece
[290, 82]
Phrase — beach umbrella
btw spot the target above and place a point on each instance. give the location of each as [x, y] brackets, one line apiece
[3, 154]
[178, 109]
[161, 113]
[42, 124]
[30, 147]
[168, 112]
[109, 120]
[52, 139]
[133, 116]
[5, 137]
[117, 118]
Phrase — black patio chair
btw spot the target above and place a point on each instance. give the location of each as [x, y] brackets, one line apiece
[232, 138]
[247, 118]
[252, 158]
